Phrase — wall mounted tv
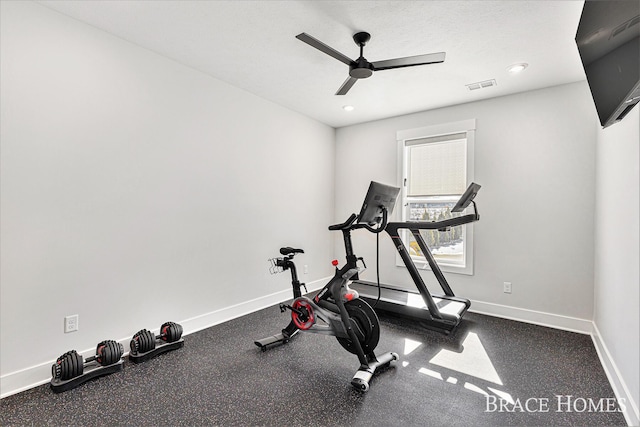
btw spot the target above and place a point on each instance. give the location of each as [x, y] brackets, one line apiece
[608, 40]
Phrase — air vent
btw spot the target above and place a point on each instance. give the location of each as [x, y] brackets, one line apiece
[633, 21]
[481, 85]
[625, 112]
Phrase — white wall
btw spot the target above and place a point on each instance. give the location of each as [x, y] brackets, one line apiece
[534, 157]
[136, 190]
[617, 250]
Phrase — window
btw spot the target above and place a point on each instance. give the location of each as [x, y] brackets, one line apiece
[436, 165]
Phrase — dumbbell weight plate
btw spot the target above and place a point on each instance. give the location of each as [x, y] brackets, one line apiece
[109, 352]
[143, 341]
[68, 366]
[170, 332]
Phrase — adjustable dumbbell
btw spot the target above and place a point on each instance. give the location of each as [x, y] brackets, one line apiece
[71, 370]
[145, 344]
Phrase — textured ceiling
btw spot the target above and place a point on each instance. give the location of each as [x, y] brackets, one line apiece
[252, 45]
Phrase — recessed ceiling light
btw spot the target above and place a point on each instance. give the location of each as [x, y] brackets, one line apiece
[347, 107]
[516, 68]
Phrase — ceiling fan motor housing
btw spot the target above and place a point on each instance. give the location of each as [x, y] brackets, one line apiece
[361, 69]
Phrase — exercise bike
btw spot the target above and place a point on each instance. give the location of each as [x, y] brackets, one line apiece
[336, 309]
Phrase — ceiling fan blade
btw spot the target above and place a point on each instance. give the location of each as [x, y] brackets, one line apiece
[409, 61]
[324, 48]
[346, 85]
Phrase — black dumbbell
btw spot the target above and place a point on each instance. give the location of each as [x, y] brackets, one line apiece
[71, 364]
[144, 341]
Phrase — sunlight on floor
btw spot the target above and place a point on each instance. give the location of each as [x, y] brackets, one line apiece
[431, 373]
[473, 360]
[410, 345]
[437, 375]
[502, 394]
[475, 388]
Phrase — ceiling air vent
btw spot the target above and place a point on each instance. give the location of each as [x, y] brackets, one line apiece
[481, 85]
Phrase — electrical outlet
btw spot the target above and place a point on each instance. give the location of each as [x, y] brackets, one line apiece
[507, 287]
[70, 323]
[306, 269]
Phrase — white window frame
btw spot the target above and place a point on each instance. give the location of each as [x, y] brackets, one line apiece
[465, 126]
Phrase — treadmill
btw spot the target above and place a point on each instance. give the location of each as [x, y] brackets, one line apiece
[441, 313]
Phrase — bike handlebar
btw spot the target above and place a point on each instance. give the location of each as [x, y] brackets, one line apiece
[349, 224]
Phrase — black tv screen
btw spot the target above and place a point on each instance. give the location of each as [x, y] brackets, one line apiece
[608, 40]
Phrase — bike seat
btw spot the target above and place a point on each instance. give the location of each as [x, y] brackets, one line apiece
[289, 250]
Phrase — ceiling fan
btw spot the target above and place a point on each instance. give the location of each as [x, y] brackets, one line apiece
[361, 68]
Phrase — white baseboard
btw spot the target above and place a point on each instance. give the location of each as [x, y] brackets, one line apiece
[18, 381]
[556, 321]
[25, 379]
[618, 384]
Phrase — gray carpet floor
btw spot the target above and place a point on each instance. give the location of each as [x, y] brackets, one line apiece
[221, 378]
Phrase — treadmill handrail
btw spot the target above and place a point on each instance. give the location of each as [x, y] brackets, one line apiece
[434, 225]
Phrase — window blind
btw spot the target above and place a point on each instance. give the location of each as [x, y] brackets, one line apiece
[437, 165]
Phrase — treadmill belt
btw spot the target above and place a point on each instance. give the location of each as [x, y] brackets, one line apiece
[407, 298]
